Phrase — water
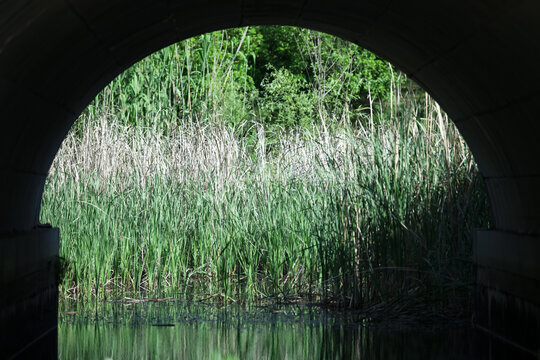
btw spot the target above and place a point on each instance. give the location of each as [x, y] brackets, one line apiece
[202, 330]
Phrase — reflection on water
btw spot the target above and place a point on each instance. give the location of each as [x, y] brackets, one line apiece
[195, 330]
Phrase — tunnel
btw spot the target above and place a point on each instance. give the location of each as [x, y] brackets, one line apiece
[477, 58]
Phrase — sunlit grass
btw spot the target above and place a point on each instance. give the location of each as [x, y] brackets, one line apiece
[379, 213]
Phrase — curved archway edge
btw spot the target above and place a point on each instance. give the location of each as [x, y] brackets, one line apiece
[477, 59]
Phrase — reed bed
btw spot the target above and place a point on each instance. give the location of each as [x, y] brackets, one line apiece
[188, 176]
[378, 215]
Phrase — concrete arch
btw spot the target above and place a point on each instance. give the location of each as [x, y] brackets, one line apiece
[477, 59]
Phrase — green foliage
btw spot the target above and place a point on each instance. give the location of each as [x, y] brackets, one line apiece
[275, 48]
[287, 100]
[347, 80]
[280, 76]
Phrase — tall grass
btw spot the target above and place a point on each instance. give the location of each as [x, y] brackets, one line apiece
[200, 79]
[376, 215]
[185, 177]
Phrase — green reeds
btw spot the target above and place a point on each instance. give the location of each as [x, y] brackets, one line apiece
[203, 79]
[171, 183]
[380, 214]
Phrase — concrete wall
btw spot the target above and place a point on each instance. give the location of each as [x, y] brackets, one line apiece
[476, 58]
[29, 294]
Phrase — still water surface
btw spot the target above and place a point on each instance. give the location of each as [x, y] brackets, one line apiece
[201, 330]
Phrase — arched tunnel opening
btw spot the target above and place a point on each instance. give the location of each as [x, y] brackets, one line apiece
[174, 173]
[474, 59]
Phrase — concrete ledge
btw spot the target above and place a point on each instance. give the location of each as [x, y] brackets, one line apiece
[499, 250]
[28, 263]
[29, 298]
[509, 320]
[508, 288]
